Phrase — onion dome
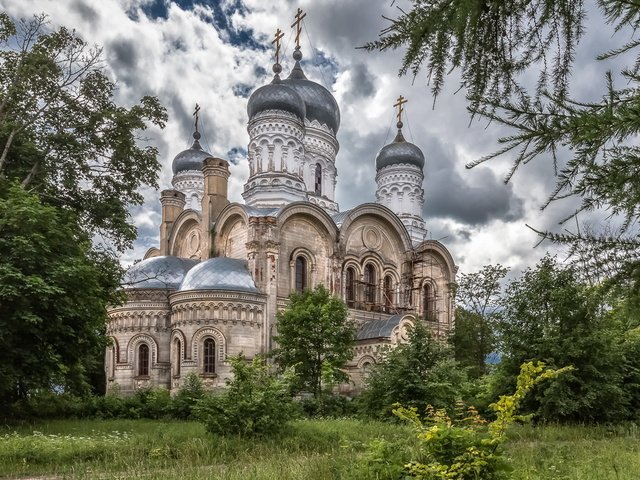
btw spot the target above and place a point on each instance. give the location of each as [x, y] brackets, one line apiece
[276, 96]
[399, 152]
[157, 272]
[319, 102]
[192, 158]
[219, 273]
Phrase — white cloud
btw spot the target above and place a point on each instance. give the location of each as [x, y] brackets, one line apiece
[182, 59]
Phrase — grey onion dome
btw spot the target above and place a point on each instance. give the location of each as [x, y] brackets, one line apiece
[219, 273]
[192, 158]
[157, 273]
[276, 96]
[399, 152]
[319, 101]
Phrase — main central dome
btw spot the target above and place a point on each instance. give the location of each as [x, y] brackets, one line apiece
[319, 102]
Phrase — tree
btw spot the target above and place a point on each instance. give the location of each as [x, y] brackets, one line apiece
[70, 168]
[550, 316]
[314, 337]
[478, 297]
[52, 297]
[416, 374]
[61, 134]
[493, 44]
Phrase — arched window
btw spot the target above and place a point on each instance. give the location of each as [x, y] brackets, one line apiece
[143, 360]
[209, 356]
[318, 182]
[429, 303]
[350, 287]
[301, 273]
[388, 291]
[177, 357]
[370, 284]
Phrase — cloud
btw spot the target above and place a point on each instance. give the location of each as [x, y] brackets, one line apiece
[216, 53]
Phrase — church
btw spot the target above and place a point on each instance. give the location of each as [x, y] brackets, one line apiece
[212, 287]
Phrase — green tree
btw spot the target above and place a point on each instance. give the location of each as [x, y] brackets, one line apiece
[77, 158]
[492, 44]
[478, 299]
[53, 291]
[61, 134]
[315, 337]
[416, 374]
[550, 316]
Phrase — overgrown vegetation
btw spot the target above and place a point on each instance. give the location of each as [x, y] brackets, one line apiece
[255, 402]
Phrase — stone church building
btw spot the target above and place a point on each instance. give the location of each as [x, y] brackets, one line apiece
[212, 288]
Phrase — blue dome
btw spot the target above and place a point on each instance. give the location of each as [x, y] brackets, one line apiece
[399, 152]
[276, 96]
[219, 273]
[190, 159]
[157, 272]
[319, 102]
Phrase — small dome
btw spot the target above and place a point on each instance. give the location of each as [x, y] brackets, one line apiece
[399, 152]
[157, 272]
[190, 159]
[219, 273]
[276, 96]
[319, 102]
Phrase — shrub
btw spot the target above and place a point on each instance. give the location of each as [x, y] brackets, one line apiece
[416, 374]
[462, 447]
[191, 392]
[328, 405]
[255, 402]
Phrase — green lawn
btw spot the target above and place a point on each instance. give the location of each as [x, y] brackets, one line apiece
[310, 450]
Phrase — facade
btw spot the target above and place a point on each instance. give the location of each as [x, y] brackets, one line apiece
[213, 286]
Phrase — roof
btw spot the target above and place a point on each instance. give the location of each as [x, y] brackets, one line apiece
[378, 328]
[260, 212]
[220, 273]
[157, 272]
[340, 217]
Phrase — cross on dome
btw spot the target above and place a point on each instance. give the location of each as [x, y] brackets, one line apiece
[297, 23]
[400, 105]
[196, 114]
[278, 36]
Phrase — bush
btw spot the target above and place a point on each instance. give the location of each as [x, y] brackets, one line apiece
[183, 403]
[416, 374]
[462, 447]
[46, 404]
[255, 402]
[328, 405]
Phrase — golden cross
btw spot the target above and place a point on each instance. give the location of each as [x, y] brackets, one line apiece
[401, 102]
[299, 17]
[195, 114]
[277, 39]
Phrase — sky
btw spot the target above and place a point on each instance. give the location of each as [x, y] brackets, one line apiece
[216, 53]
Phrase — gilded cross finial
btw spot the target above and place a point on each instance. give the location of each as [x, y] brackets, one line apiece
[401, 102]
[276, 40]
[196, 114]
[297, 24]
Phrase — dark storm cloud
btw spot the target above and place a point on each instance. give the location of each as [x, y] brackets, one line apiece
[362, 83]
[87, 13]
[356, 173]
[476, 198]
[123, 54]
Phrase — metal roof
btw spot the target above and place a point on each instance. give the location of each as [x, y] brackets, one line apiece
[158, 272]
[378, 328]
[219, 273]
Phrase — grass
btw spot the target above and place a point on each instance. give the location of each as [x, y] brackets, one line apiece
[319, 449]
